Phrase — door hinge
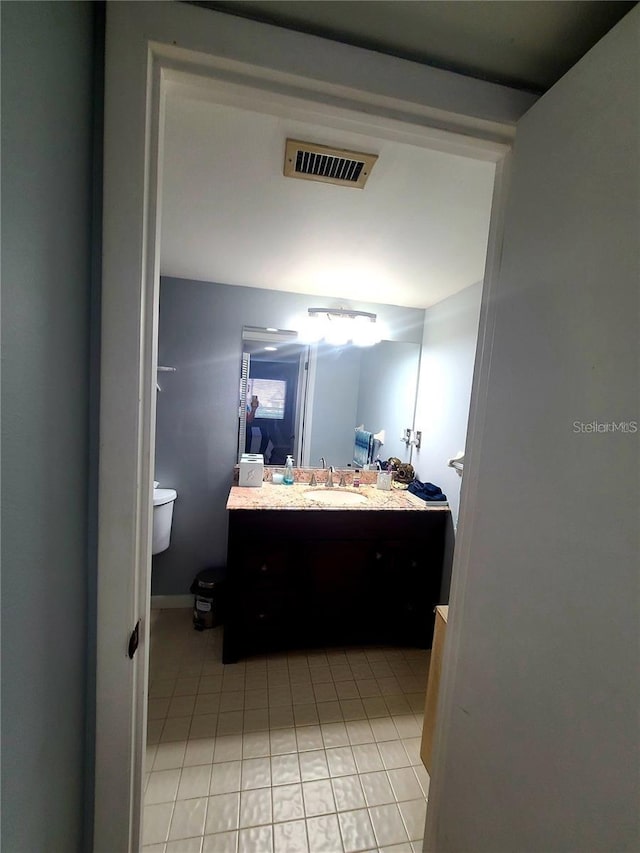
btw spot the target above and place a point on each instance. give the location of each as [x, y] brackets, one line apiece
[134, 640]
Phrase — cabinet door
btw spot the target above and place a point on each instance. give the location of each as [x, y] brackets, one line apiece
[341, 590]
[411, 591]
[267, 603]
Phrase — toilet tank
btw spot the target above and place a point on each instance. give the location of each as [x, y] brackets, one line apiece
[163, 500]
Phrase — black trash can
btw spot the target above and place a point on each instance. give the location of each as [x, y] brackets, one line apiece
[208, 589]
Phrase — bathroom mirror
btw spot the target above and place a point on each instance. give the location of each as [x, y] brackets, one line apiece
[307, 401]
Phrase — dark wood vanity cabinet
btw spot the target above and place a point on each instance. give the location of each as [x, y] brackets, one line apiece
[297, 579]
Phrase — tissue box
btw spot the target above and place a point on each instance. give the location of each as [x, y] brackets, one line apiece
[251, 469]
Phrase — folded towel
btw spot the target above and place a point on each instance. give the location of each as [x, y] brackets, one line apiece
[426, 491]
[363, 447]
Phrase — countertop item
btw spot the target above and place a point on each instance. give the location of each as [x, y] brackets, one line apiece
[251, 470]
[278, 497]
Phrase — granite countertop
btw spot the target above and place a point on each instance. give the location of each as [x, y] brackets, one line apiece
[293, 497]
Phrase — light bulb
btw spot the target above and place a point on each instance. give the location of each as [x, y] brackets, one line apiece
[365, 333]
[310, 330]
[338, 330]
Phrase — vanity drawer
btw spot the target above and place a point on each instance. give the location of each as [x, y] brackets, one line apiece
[265, 623]
[265, 564]
[264, 615]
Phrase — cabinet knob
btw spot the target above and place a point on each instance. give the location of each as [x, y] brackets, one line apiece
[378, 555]
[263, 567]
[260, 615]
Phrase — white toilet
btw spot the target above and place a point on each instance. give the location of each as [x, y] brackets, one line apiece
[163, 500]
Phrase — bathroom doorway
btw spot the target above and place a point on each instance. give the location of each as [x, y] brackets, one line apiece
[118, 364]
[206, 709]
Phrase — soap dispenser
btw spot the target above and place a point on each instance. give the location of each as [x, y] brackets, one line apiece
[288, 479]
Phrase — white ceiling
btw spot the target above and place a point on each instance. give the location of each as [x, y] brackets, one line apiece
[416, 234]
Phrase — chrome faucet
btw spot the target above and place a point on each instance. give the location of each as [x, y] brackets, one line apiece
[329, 483]
[324, 464]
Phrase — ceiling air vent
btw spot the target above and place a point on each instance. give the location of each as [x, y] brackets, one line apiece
[313, 162]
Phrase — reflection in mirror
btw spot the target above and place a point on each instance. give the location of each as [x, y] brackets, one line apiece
[308, 401]
[272, 392]
[349, 386]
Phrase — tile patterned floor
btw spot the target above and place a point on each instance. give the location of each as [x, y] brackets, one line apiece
[308, 752]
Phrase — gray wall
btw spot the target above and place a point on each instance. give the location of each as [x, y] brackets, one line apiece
[446, 374]
[196, 433]
[540, 719]
[47, 68]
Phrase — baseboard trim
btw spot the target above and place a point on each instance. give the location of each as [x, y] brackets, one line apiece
[165, 602]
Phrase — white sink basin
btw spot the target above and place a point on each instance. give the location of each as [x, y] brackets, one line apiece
[335, 497]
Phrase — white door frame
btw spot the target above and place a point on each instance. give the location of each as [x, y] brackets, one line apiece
[149, 46]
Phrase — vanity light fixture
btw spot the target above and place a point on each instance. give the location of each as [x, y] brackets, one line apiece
[271, 349]
[339, 326]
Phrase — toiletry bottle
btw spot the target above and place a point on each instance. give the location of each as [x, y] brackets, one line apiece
[288, 472]
[356, 479]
